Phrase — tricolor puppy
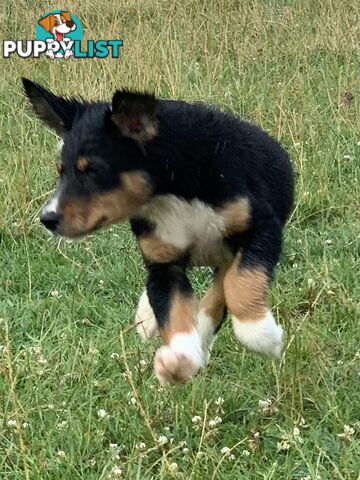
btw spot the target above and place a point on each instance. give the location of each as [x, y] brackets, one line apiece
[200, 187]
[58, 24]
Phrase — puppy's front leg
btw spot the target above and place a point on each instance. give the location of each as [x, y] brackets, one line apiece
[174, 305]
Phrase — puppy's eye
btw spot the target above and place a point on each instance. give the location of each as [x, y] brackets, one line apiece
[59, 168]
[82, 164]
[56, 23]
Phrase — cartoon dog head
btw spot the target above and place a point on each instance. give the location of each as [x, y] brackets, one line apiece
[58, 24]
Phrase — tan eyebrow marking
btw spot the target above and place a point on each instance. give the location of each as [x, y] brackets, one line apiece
[82, 163]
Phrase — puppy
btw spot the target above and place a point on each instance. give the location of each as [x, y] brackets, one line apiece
[200, 187]
[58, 24]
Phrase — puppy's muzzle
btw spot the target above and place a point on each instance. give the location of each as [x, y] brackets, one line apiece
[51, 220]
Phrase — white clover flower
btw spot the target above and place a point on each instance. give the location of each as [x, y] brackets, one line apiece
[297, 436]
[232, 457]
[347, 433]
[225, 451]
[310, 283]
[167, 429]
[302, 423]
[264, 404]
[219, 401]
[42, 360]
[163, 440]
[12, 423]
[347, 157]
[185, 451]
[113, 445]
[61, 454]
[102, 413]
[141, 446]
[55, 293]
[116, 472]
[114, 356]
[283, 445]
[63, 424]
[267, 407]
[143, 362]
[125, 375]
[35, 350]
[132, 401]
[245, 453]
[196, 420]
[215, 422]
[173, 466]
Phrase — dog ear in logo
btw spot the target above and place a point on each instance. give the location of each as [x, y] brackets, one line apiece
[134, 114]
[67, 16]
[57, 112]
[47, 22]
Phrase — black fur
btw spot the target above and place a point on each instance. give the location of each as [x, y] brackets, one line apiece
[198, 152]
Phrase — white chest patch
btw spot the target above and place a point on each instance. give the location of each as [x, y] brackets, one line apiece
[192, 226]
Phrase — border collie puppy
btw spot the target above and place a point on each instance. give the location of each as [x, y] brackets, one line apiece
[200, 187]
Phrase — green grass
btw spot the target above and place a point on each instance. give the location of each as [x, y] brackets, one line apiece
[68, 348]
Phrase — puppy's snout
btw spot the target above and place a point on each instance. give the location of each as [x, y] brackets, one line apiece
[50, 220]
[70, 23]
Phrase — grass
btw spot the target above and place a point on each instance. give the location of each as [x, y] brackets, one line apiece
[74, 378]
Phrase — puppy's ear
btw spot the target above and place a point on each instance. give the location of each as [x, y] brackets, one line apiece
[134, 114]
[57, 112]
[45, 23]
[67, 15]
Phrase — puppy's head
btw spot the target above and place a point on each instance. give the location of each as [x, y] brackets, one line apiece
[58, 24]
[102, 168]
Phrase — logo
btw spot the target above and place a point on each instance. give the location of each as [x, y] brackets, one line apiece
[59, 35]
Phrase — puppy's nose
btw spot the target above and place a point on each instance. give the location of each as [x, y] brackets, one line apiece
[50, 220]
[69, 23]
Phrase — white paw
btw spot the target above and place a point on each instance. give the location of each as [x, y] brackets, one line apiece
[145, 321]
[205, 326]
[68, 54]
[262, 336]
[177, 362]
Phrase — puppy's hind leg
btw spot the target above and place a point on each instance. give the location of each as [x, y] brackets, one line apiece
[145, 321]
[246, 287]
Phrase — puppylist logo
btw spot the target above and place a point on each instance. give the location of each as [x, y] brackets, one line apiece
[58, 36]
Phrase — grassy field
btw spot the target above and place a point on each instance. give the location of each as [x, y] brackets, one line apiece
[78, 398]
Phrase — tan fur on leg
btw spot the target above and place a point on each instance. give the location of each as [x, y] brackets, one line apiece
[246, 298]
[211, 312]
